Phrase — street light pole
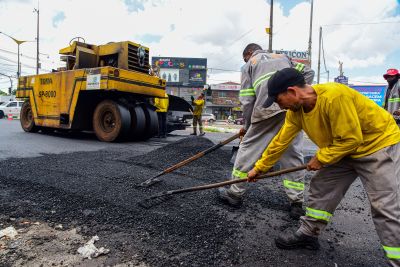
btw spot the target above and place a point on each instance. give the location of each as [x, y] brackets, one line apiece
[319, 54]
[18, 42]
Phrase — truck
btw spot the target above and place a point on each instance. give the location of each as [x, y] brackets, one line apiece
[102, 88]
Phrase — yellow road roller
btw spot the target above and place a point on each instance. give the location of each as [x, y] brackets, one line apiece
[104, 88]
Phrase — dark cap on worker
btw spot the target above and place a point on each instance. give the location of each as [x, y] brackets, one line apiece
[279, 83]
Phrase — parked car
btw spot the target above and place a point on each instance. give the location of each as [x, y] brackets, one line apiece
[11, 107]
[239, 121]
[208, 117]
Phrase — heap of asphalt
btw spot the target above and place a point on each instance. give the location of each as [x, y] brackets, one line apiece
[97, 193]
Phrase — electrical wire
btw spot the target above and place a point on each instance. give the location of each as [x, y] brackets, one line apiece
[362, 23]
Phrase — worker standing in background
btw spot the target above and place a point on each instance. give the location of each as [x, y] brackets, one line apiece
[198, 105]
[261, 125]
[356, 138]
[392, 93]
[161, 103]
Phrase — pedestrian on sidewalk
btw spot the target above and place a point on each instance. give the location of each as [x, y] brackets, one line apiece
[198, 105]
[356, 138]
[162, 103]
[262, 124]
[392, 93]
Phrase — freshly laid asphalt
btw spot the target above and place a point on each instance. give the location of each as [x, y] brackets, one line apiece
[93, 186]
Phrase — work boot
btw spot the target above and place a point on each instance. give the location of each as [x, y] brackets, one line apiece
[227, 197]
[193, 134]
[297, 240]
[201, 134]
[296, 210]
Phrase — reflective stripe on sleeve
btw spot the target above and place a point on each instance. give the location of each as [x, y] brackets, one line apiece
[318, 214]
[394, 100]
[239, 174]
[263, 78]
[299, 66]
[247, 92]
[293, 185]
[392, 252]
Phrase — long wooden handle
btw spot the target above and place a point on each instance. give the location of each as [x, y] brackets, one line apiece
[235, 181]
[199, 155]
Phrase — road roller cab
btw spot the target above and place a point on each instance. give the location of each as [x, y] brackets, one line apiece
[104, 88]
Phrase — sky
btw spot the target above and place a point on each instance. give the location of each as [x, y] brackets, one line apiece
[363, 34]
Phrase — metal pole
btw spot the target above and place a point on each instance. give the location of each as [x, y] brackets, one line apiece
[37, 40]
[310, 38]
[271, 15]
[18, 67]
[319, 54]
[11, 83]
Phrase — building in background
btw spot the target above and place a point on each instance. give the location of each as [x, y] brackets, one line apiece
[224, 100]
[298, 56]
[185, 76]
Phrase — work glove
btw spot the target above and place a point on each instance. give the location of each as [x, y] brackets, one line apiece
[192, 98]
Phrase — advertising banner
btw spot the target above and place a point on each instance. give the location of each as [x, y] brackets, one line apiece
[373, 92]
[170, 75]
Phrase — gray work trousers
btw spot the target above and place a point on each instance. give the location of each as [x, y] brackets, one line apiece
[380, 176]
[254, 142]
[197, 120]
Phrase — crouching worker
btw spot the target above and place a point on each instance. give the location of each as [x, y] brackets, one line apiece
[356, 138]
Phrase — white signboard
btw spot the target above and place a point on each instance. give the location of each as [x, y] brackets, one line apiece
[228, 87]
[170, 75]
[93, 82]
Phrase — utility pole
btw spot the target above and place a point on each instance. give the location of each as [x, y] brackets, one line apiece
[37, 39]
[9, 89]
[310, 39]
[319, 54]
[271, 15]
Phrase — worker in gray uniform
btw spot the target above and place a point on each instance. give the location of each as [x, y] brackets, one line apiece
[262, 124]
[392, 94]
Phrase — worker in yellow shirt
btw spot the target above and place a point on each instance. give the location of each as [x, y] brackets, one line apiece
[198, 105]
[161, 104]
[356, 138]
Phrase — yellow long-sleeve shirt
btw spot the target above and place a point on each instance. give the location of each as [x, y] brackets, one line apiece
[161, 103]
[198, 106]
[342, 123]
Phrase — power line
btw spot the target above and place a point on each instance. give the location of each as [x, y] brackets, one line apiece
[362, 23]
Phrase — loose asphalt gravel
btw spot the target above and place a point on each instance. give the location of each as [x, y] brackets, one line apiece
[96, 192]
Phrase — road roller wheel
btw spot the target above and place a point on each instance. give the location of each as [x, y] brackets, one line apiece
[138, 123]
[151, 122]
[111, 121]
[26, 118]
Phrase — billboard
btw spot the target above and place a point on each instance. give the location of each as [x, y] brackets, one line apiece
[342, 79]
[298, 56]
[170, 75]
[177, 71]
[373, 92]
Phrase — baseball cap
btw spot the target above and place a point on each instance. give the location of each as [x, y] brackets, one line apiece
[280, 81]
[390, 72]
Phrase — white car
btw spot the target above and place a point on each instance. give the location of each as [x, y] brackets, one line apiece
[11, 107]
[208, 117]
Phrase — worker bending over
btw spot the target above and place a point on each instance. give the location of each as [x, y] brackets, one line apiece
[356, 138]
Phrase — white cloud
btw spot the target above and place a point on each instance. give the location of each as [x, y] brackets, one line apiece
[218, 30]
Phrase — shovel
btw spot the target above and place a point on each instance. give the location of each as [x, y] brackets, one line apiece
[154, 179]
[235, 151]
[164, 196]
